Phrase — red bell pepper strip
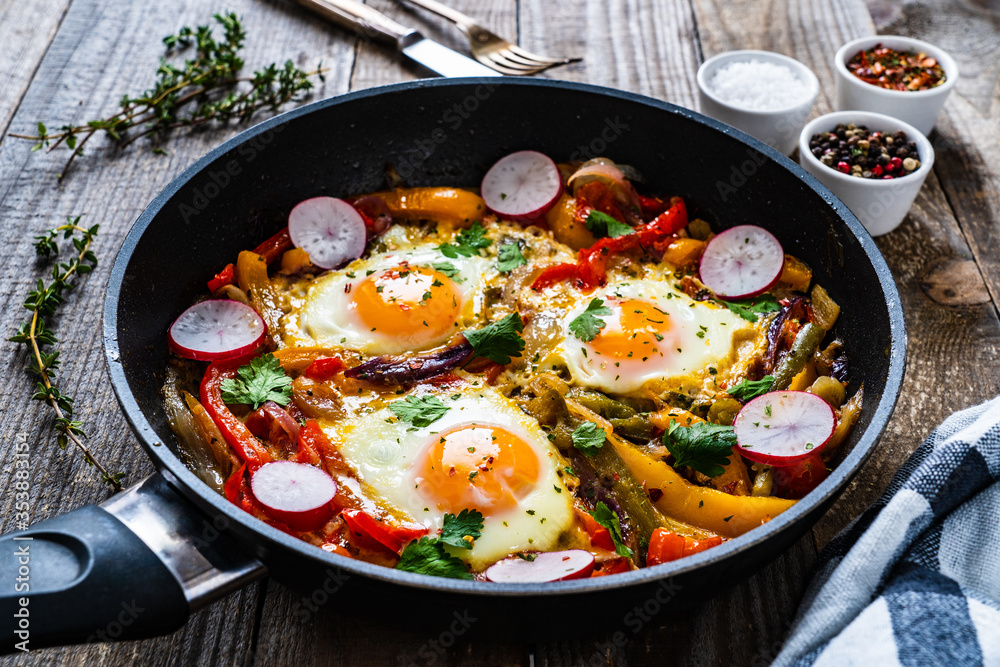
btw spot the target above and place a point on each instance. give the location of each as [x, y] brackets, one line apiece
[221, 279]
[554, 274]
[234, 484]
[324, 368]
[274, 247]
[368, 530]
[666, 545]
[239, 437]
[798, 479]
[652, 206]
[591, 266]
[611, 566]
[600, 536]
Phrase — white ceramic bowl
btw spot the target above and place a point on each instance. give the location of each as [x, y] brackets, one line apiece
[919, 108]
[778, 129]
[879, 204]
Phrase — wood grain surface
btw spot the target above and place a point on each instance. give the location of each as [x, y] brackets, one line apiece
[71, 60]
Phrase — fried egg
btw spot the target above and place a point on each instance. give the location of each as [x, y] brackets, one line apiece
[654, 332]
[484, 454]
[410, 297]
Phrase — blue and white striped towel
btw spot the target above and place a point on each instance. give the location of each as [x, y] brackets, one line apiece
[915, 580]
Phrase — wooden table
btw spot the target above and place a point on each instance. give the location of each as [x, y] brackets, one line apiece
[72, 60]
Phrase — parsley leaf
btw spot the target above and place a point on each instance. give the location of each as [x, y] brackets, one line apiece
[499, 341]
[260, 381]
[601, 224]
[428, 556]
[704, 447]
[419, 410]
[608, 518]
[467, 243]
[510, 258]
[588, 324]
[447, 268]
[455, 528]
[748, 389]
[749, 309]
[589, 437]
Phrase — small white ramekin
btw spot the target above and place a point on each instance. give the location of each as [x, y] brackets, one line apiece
[919, 108]
[879, 204]
[778, 129]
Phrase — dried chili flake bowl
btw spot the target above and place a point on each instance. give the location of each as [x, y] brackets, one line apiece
[880, 203]
[866, 89]
[896, 70]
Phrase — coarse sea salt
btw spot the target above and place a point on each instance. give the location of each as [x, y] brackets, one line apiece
[759, 86]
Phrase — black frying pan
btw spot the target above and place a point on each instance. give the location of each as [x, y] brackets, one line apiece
[140, 563]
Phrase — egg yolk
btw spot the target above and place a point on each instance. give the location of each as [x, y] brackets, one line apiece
[481, 467]
[418, 303]
[635, 330]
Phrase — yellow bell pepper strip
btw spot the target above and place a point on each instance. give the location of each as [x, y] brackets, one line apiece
[796, 274]
[565, 226]
[707, 508]
[251, 275]
[459, 207]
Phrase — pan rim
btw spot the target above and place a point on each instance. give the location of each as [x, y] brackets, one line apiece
[194, 490]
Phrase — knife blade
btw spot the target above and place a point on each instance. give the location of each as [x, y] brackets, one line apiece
[373, 25]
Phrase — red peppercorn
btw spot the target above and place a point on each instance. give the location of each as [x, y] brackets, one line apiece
[895, 163]
[843, 166]
[887, 177]
[877, 170]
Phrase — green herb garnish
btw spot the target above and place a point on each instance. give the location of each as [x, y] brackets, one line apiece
[588, 324]
[258, 382]
[702, 446]
[420, 411]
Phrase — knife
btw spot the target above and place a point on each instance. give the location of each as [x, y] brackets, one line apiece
[374, 25]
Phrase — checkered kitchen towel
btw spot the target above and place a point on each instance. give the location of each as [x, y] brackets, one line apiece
[915, 580]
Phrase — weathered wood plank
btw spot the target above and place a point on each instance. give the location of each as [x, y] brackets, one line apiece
[102, 51]
[26, 30]
[637, 45]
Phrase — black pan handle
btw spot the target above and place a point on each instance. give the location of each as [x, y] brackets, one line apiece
[134, 567]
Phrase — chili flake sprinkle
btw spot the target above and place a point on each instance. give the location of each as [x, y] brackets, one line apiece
[896, 70]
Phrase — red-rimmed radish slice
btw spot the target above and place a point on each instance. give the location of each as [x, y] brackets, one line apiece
[216, 329]
[546, 566]
[522, 186]
[741, 262]
[330, 230]
[296, 494]
[783, 427]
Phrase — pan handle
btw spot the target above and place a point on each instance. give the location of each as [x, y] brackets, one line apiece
[134, 567]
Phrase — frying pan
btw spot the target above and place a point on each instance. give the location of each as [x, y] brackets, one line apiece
[137, 565]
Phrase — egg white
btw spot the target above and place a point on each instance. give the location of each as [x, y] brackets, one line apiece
[701, 334]
[327, 317]
[386, 454]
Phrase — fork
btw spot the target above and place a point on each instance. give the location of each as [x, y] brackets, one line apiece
[489, 48]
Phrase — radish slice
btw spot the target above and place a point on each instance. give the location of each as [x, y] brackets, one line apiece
[522, 186]
[297, 494]
[331, 231]
[547, 566]
[741, 262]
[783, 427]
[216, 329]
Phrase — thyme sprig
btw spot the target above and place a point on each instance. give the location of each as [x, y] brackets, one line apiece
[206, 88]
[43, 302]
